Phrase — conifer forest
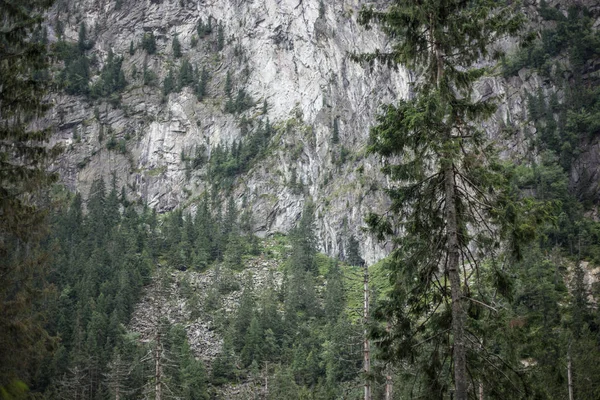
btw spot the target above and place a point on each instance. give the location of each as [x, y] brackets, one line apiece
[299, 200]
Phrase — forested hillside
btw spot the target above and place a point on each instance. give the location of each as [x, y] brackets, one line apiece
[270, 309]
[299, 200]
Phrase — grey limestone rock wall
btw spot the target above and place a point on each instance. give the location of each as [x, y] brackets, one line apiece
[291, 54]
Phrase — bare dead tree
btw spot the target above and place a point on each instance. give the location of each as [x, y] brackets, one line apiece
[366, 344]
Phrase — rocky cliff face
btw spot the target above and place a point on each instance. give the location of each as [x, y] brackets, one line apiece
[290, 55]
[292, 58]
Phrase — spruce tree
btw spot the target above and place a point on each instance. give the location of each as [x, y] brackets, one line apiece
[270, 320]
[186, 74]
[335, 138]
[334, 299]
[244, 315]
[353, 253]
[169, 83]
[220, 37]
[176, 47]
[82, 42]
[149, 42]
[24, 158]
[234, 250]
[202, 84]
[228, 84]
[252, 350]
[304, 242]
[445, 176]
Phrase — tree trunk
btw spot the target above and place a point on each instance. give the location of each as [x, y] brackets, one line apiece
[569, 375]
[366, 347]
[158, 369]
[453, 270]
[452, 243]
[389, 383]
[266, 379]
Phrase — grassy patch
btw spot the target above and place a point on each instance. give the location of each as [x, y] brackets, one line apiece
[157, 171]
[353, 284]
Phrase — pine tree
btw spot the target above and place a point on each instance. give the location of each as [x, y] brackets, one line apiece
[334, 293]
[116, 376]
[284, 386]
[149, 76]
[24, 158]
[186, 376]
[231, 218]
[353, 253]
[202, 84]
[335, 138]
[223, 367]
[203, 238]
[112, 78]
[176, 47]
[220, 37]
[96, 220]
[252, 350]
[342, 358]
[204, 29]
[82, 42]
[301, 301]
[270, 320]
[228, 84]
[169, 83]
[186, 74]
[149, 42]
[304, 242]
[444, 172]
[580, 309]
[234, 250]
[244, 316]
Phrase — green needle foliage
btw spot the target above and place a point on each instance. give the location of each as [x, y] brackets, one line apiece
[149, 42]
[176, 47]
[24, 156]
[452, 204]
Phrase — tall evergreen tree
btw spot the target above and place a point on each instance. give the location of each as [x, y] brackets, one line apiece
[186, 74]
[334, 293]
[220, 36]
[270, 320]
[169, 83]
[176, 47]
[445, 175]
[244, 316]
[202, 84]
[252, 350]
[304, 241]
[24, 156]
[335, 138]
[228, 84]
[234, 250]
[353, 252]
[149, 42]
[203, 238]
[83, 43]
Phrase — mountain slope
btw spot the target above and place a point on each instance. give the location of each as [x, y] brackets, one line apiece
[291, 60]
